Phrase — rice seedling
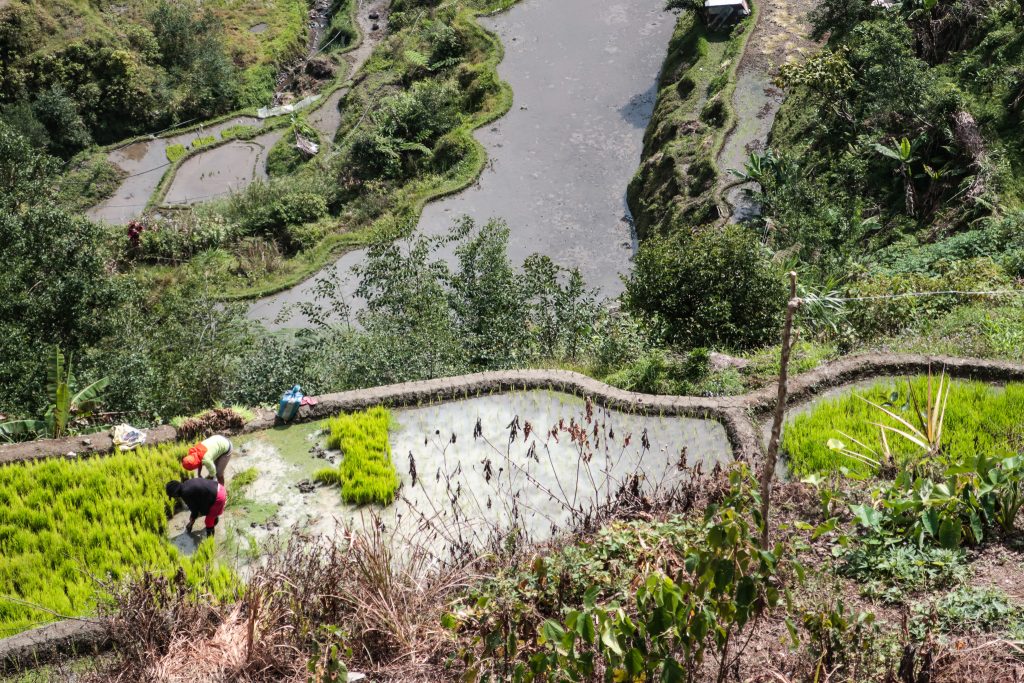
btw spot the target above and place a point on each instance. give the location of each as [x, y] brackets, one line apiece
[67, 525]
[366, 473]
[978, 420]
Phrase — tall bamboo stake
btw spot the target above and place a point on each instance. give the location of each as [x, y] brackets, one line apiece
[771, 456]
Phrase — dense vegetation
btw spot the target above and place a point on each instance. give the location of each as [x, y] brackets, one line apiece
[76, 72]
[979, 421]
[366, 473]
[68, 527]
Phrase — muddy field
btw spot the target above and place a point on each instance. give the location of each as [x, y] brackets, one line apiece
[467, 467]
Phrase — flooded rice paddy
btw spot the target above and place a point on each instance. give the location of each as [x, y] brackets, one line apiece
[584, 77]
[467, 468]
[228, 168]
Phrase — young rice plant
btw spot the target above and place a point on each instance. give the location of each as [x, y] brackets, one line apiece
[366, 473]
[66, 524]
[979, 420]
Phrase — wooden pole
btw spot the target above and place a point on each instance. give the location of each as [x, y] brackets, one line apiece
[772, 454]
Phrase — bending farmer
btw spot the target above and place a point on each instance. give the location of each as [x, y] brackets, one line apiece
[203, 497]
[213, 454]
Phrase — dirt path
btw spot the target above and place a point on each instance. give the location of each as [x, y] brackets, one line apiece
[781, 35]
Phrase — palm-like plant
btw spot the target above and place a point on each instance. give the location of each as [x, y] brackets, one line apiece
[903, 154]
[65, 403]
[925, 433]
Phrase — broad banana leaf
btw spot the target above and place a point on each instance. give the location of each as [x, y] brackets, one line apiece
[55, 375]
[16, 428]
[87, 399]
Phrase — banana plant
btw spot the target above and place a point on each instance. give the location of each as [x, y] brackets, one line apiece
[903, 154]
[66, 403]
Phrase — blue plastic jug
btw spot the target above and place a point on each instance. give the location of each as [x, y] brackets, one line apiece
[291, 400]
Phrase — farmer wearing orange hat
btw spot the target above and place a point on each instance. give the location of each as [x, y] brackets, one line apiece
[212, 454]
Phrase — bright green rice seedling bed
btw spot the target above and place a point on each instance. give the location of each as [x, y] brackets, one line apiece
[64, 524]
[367, 473]
[980, 419]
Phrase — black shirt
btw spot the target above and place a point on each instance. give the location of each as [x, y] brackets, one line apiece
[199, 494]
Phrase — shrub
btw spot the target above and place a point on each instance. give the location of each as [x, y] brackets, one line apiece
[728, 583]
[268, 209]
[366, 474]
[63, 522]
[180, 237]
[967, 610]
[718, 288]
[449, 151]
[887, 570]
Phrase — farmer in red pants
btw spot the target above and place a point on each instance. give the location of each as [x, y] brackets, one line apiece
[202, 497]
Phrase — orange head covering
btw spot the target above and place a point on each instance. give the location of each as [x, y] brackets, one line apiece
[194, 459]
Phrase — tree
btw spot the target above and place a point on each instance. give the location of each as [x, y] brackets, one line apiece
[717, 288]
[54, 285]
[59, 114]
[488, 298]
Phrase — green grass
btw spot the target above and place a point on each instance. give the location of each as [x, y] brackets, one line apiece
[92, 179]
[239, 132]
[64, 522]
[204, 141]
[980, 419]
[342, 31]
[366, 473]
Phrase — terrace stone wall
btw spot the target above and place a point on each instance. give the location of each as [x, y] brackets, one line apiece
[738, 414]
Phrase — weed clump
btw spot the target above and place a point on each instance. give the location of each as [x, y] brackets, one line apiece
[366, 473]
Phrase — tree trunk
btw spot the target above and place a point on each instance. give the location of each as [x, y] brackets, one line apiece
[968, 138]
[772, 454]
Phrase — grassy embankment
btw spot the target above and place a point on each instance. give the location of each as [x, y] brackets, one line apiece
[673, 188]
[366, 474]
[64, 525]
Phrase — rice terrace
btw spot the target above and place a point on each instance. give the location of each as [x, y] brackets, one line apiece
[511, 340]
